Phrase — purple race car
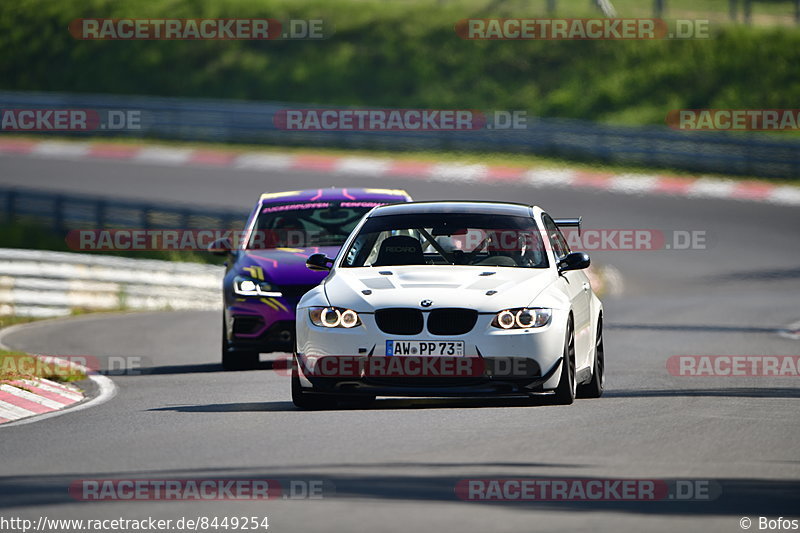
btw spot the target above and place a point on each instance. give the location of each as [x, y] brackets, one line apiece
[267, 274]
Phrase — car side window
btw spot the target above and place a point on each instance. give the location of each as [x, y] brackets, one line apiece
[557, 240]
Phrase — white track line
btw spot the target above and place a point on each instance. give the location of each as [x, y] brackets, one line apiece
[263, 161]
[633, 183]
[549, 177]
[362, 166]
[456, 172]
[711, 188]
[58, 149]
[163, 156]
[785, 195]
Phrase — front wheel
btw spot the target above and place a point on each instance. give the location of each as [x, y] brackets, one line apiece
[305, 400]
[594, 389]
[565, 391]
[236, 360]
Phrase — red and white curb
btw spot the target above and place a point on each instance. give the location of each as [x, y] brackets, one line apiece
[27, 401]
[641, 184]
[25, 398]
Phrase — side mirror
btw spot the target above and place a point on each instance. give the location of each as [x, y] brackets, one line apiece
[221, 246]
[574, 261]
[319, 262]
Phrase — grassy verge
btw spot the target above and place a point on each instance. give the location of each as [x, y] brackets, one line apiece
[19, 365]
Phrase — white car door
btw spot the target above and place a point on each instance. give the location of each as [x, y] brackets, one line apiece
[576, 285]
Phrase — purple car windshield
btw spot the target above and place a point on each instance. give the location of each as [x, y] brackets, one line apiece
[306, 224]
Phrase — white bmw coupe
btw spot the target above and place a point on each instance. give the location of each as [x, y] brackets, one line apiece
[439, 299]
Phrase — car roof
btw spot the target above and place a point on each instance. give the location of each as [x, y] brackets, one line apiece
[336, 194]
[475, 207]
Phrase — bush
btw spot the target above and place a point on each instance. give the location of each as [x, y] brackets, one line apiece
[400, 54]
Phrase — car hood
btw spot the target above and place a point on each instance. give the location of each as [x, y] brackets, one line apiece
[285, 266]
[445, 286]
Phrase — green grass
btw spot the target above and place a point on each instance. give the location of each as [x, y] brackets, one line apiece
[20, 365]
[764, 13]
[13, 320]
[406, 54]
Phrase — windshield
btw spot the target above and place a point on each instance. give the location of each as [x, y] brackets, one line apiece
[448, 239]
[306, 224]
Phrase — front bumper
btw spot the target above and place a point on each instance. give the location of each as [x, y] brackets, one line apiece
[255, 325]
[486, 384]
[536, 350]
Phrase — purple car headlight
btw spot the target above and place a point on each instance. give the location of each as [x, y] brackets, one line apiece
[333, 317]
[245, 286]
[521, 318]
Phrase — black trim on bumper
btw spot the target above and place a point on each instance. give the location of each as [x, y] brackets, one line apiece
[451, 387]
[274, 339]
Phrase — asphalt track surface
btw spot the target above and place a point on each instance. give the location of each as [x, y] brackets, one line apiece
[395, 465]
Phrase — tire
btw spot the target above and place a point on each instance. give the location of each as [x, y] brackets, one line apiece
[236, 360]
[565, 391]
[304, 400]
[594, 389]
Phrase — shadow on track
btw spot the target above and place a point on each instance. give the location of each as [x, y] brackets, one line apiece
[378, 483]
[772, 274]
[379, 405]
[199, 368]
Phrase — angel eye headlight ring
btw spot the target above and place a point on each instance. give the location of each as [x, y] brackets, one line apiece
[333, 317]
[522, 318]
[505, 319]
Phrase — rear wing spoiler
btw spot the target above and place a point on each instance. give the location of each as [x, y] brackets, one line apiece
[569, 223]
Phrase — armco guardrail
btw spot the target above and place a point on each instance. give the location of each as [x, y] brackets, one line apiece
[46, 284]
[252, 122]
[63, 212]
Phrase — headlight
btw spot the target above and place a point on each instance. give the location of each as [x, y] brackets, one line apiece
[333, 317]
[521, 318]
[245, 286]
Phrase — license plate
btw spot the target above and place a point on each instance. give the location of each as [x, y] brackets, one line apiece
[431, 348]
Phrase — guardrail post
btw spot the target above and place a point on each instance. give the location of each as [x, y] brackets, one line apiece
[184, 222]
[58, 213]
[11, 205]
[100, 214]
